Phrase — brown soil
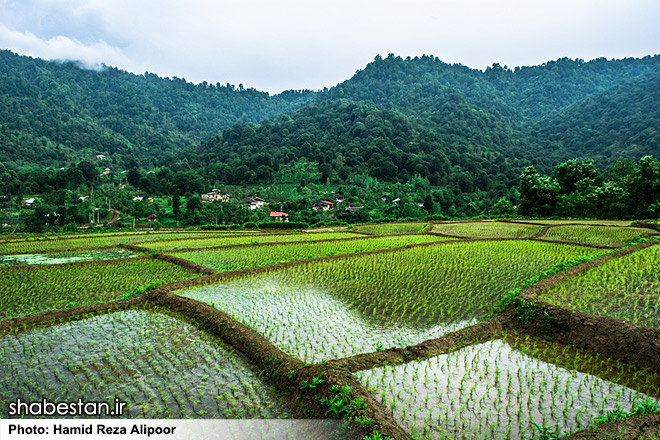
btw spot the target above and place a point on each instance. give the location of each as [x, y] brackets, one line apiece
[452, 341]
[635, 428]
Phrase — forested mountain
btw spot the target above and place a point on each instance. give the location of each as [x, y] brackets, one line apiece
[53, 113]
[624, 120]
[522, 95]
[466, 132]
[345, 138]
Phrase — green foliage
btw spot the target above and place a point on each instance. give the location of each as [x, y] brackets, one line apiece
[315, 382]
[340, 404]
[142, 289]
[646, 407]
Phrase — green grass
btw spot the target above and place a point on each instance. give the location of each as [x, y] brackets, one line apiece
[247, 239]
[161, 366]
[595, 235]
[27, 290]
[487, 229]
[626, 288]
[234, 258]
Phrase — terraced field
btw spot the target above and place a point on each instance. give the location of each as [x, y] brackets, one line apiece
[234, 258]
[487, 229]
[347, 306]
[595, 235]
[243, 239]
[626, 288]
[396, 334]
[161, 366]
[27, 290]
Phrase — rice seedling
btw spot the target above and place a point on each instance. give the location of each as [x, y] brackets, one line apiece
[581, 222]
[234, 258]
[245, 239]
[27, 290]
[94, 240]
[320, 310]
[487, 229]
[595, 235]
[502, 390]
[625, 288]
[160, 365]
[392, 228]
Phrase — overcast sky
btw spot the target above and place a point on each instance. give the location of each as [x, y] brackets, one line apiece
[295, 44]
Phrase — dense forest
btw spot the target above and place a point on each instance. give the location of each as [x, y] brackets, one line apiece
[416, 127]
[59, 112]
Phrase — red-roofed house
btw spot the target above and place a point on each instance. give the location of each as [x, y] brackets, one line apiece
[280, 216]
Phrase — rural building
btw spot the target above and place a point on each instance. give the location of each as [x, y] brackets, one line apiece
[152, 218]
[213, 195]
[338, 198]
[29, 203]
[100, 156]
[253, 202]
[323, 204]
[279, 216]
[352, 207]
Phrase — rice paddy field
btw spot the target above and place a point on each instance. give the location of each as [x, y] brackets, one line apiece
[626, 288]
[234, 258]
[160, 365]
[167, 245]
[353, 297]
[499, 390]
[92, 240]
[348, 306]
[28, 290]
[392, 228]
[595, 235]
[64, 257]
[487, 229]
[580, 222]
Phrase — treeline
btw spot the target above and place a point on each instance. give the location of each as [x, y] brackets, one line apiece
[576, 189]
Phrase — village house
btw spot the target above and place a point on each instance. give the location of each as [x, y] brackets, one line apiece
[338, 198]
[152, 218]
[215, 195]
[100, 156]
[29, 203]
[352, 207]
[279, 216]
[253, 202]
[323, 204]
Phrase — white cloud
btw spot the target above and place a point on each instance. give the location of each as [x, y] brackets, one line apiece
[310, 44]
[62, 48]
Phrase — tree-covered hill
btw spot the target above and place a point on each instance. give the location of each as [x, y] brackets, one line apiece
[53, 113]
[523, 95]
[624, 120]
